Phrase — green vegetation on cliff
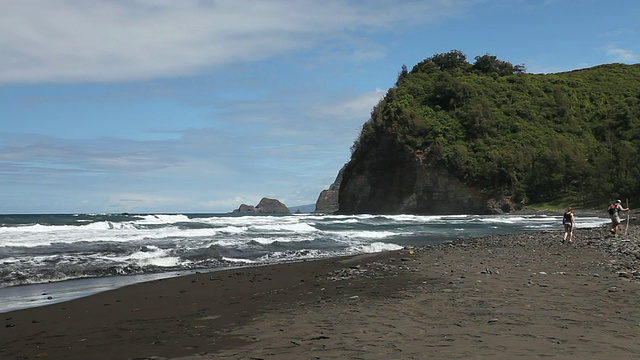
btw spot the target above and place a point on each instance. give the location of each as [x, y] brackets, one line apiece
[538, 138]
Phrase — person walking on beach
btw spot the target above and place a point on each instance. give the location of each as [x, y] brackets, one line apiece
[614, 212]
[569, 222]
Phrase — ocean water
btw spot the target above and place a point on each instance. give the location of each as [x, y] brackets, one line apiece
[48, 258]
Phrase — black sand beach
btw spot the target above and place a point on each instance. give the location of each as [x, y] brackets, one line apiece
[498, 297]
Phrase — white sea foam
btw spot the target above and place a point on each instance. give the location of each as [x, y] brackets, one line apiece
[292, 255]
[164, 219]
[99, 232]
[346, 221]
[151, 255]
[35, 228]
[256, 226]
[362, 234]
[233, 229]
[590, 222]
[420, 218]
[377, 247]
[502, 219]
[281, 239]
[239, 261]
[295, 227]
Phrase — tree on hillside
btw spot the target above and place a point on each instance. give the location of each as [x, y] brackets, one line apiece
[453, 59]
[402, 74]
[490, 64]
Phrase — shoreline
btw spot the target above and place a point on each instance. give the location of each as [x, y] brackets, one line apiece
[503, 295]
[24, 296]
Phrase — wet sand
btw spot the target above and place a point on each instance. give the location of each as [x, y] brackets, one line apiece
[499, 297]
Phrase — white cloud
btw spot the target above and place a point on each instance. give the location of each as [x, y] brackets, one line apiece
[623, 55]
[105, 41]
[31, 152]
[358, 107]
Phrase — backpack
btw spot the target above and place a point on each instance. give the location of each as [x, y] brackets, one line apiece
[613, 208]
[567, 218]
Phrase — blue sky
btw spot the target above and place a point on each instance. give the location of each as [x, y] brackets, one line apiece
[199, 106]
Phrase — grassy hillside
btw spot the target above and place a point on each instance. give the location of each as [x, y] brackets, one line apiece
[571, 136]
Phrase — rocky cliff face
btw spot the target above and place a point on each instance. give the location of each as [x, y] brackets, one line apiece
[327, 202]
[390, 180]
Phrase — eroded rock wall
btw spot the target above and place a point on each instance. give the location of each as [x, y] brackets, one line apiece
[390, 180]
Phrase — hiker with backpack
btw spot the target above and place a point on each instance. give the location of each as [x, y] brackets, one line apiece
[569, 222]
[614, 212]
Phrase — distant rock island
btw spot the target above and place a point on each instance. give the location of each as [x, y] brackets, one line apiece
[265, 206]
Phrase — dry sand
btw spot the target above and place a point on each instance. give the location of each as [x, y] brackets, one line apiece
[503, 297]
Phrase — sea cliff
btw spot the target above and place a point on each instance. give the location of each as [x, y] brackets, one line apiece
[388, 179]
[453, 137]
